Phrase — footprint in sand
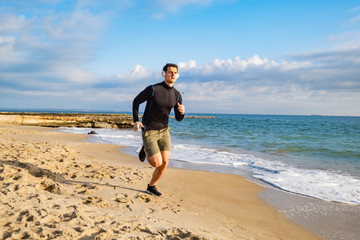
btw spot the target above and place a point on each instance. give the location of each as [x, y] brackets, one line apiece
[179, 233]
[16, 177]
[171, 209]
[50, 186]
[68, 216]
[2, 167]
[84, 188]
[97, 201]
[72, 175]
[22, 214]
[138, 174]
[122, 198]
[99, 174]
[143, 198]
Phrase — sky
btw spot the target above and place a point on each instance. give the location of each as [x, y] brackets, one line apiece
[234, 56]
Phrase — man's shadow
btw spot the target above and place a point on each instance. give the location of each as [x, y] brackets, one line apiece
[57, 177]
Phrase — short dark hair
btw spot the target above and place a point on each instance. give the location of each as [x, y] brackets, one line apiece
[170, 65]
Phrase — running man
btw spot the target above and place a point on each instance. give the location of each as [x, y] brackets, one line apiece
[160, 99]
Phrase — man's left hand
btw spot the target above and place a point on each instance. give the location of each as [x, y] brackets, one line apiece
[181, 108]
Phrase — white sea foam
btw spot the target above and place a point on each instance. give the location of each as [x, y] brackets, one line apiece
[111, 136]
[317, 183]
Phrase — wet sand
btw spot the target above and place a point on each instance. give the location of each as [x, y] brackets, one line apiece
[333, 221]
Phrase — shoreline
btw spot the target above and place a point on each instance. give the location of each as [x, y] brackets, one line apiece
[330, 220]
[57, 185]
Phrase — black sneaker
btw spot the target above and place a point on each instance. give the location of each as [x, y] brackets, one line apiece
[142, 154]
[153, 190]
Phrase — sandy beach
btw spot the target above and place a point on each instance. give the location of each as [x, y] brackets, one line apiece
[55, 186]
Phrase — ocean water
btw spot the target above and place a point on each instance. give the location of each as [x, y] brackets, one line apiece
[317, 156]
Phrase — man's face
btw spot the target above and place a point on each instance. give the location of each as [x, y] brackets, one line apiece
[171, 75]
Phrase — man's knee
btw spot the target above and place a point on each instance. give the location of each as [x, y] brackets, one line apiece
[165, 156]
[155, 160]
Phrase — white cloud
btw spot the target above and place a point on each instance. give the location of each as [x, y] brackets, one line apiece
[309, 83]
[110, 6]
[175, 5]
[48, 52]
[236, 65]
[158, 15]
[355, 19]
[254, 85]
[355, 9]
[78, 25]
[137, 73]
[267, 99]
[6, 48]
[346, 41]
[162, 8]
[11, 23]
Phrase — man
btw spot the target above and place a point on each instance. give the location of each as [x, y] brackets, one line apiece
[160, 99]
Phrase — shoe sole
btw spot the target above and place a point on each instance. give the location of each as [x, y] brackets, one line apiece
[148, 191]
[143, 155]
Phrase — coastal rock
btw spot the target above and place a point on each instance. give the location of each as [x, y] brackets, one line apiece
[79, 120]
[68, 120]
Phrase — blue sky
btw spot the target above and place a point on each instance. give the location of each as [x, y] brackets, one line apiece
[245, 56]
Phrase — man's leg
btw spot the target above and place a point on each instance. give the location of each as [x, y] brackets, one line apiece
[159, 161]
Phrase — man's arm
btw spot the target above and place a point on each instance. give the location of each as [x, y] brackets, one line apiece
[179, 110]
[140, 98]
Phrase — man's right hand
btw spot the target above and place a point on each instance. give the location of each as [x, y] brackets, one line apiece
[137, 126]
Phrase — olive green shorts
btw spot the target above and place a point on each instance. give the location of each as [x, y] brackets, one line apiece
[156, 141]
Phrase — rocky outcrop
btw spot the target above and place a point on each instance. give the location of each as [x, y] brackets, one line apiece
[68, 120]
[81, 120]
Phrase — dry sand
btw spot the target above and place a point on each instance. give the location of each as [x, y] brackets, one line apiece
[54, 186]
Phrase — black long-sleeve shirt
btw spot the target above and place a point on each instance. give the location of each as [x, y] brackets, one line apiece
[160, 100]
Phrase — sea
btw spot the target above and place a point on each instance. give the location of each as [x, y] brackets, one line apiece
[315, 156]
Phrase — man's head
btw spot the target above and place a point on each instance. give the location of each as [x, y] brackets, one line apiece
[165, 68]
[170, 72]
